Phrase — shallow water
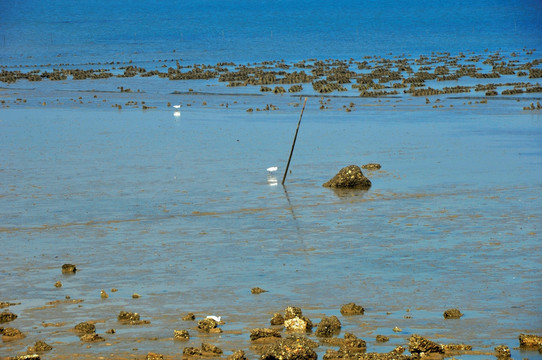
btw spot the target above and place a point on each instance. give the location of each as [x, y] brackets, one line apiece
[181, 211]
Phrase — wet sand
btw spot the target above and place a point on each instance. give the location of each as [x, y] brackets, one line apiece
[164, 215]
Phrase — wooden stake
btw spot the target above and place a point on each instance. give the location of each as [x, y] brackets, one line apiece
[293, 144]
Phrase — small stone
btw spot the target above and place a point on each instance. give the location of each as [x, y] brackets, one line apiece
[291, 348]
[85, 328]
[237, 355]
[382, 338]
[135, 296]
[4, 304]
[192, 351]
[114, 290]
[277, 319]
[40, 346]
[502, 352]
[103, 294]
[128, 316]
[264, 333]
[189, 317]
[26, 357]
[530, 341]
[452, 314]
[352, 309]
[181, 334]
[291, 312]
[456, 347]
[209, 348]
[10, 334]
[7, 316]
[207, 324]
[131, 318]
[371, 166]
[257, 290]
[154, 356]
[91, 338]
[110, 331]
[397, 329]
[58, 284]
[300, 324]
[68, 269]
[418, 344]
[328, 327]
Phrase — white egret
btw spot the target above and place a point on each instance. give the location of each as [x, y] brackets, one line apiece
[272, 169]
[177, 106]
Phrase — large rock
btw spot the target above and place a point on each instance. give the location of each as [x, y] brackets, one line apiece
[349, 177]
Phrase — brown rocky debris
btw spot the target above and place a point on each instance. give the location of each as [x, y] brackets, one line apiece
[349, 177]
[328, 327]
[530, 341]
[181, 334]
[382, 338]
[189, 317]
[207, 324]
[277, 319]
[372, 166]
[154, 356]
[237, 355]
[264, 333]
[418, 344]
[192, 351]
[299, 324]
[291, 312]
[452, 314]
[7, 316]
[502, 352]
[131, 318]
[211, 349]
[26, 357]
[91, 338]
[85, 328]
[456, 347]
[58, 284]
[291, 348]
[4, 304]
[68, 269]
[40, 346]
[396, 354]
[10, 334]
[257, 290]
[352, 309]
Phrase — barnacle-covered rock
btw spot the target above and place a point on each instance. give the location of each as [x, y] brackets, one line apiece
[349, 177]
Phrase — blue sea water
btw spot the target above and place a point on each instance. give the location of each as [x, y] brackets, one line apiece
[211, 31]
[182, 211]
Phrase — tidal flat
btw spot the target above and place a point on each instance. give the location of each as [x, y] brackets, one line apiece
[166, 211]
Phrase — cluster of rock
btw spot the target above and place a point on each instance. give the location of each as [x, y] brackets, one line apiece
[371, 76]
[286, 339]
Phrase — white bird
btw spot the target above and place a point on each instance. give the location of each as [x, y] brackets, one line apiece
[177, 106]
[215, 318]
[272, 169]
